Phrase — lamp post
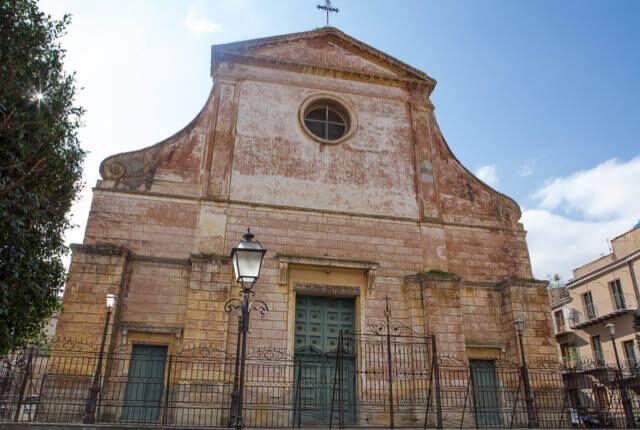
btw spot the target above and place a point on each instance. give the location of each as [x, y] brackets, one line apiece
[626, 403]
[247, 259]
[90, 406]
[531, 413]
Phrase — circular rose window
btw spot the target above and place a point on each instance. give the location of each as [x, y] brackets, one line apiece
[327, 119]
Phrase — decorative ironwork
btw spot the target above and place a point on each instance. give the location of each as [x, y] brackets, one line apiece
[388, 326]
[198, 385]
[448, 360]
[201, 351]
[505, 364]
[328, 8]
[269, 354]
[71, 345]
[255, 305]
[395, 328]
[547, 365]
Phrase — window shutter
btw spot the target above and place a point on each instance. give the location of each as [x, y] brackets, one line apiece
[612, 294]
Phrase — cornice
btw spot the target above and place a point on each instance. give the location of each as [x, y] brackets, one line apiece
[321, 70]
[595, 274]
[520, 282]
[101, 249]
[113, 249]
[310, 260]
[336, 36]
[224, 200]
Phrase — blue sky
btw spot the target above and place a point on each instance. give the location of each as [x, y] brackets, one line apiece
[540, 98]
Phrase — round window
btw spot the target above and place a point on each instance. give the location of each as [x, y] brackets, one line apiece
[326, 120]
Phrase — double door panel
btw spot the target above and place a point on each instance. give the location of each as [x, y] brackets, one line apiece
[317, 329]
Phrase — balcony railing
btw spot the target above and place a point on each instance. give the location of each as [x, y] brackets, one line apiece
[561, 328]
[590, 311]
[575, 317]
[619, 301]
[601, 310]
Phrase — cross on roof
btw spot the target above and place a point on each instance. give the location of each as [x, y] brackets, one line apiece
[327, 7]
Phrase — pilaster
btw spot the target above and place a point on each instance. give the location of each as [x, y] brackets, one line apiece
[442, 309]
[209, 286]
[527, 298]
[95, 271]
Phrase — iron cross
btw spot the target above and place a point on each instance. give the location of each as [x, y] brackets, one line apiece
[328, 8]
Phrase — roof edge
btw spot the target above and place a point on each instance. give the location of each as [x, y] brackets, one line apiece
[254, 43]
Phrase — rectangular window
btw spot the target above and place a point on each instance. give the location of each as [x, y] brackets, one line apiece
[559, 317]
[617, 295]
[630, 353]
[596, 346]
[589, 307]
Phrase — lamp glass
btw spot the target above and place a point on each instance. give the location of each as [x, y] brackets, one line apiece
[519, 323]
[611, 328]
[247, 259]
[111, 301]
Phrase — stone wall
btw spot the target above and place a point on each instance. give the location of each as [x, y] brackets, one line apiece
[386, 206]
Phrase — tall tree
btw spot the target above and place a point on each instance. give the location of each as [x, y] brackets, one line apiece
[40, 168]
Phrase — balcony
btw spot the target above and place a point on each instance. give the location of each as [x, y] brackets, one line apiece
[618, 305]
[602, 318]
[590, 311]
[619, 301]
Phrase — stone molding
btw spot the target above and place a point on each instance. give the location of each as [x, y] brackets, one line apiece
[125, 328]
[242, 203]
[504, 283]
[519, 282]
[469, 344]
[285, 260]
[323, 70]
[433, 277]
[101, 249]
[345, 263]
[162, 260]
[112, 249]
[335, 36]
[206, 258]
[326, 290]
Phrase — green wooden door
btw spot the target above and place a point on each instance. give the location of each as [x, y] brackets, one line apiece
[145, 381]
[485, 392]
[317, 327]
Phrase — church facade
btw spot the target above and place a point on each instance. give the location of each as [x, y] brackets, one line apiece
[329, 150]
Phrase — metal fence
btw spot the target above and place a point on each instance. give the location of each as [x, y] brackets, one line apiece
[380, 379]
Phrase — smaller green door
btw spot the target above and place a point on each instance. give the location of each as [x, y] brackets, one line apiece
[485, 392]
[145, 382]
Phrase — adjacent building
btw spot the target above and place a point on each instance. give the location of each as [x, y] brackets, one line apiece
[603, 291]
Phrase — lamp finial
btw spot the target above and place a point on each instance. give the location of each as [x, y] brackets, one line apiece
[248, 236]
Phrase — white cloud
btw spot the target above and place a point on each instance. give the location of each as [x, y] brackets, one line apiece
[488, 174]
[609, 190]
[525, 170]
[560, 244]
[579, 213]
[196, 23]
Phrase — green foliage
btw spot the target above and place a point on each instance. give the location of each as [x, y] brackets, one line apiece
[40, 169]
[438, 272]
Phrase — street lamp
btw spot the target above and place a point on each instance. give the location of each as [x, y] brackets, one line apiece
[531, 413]
[247, 259]
[90, 406]
[626, 402]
